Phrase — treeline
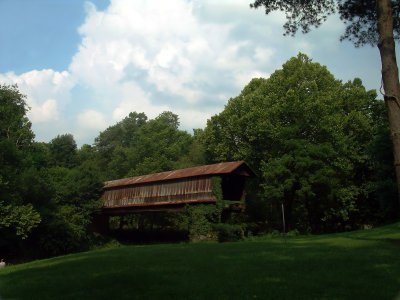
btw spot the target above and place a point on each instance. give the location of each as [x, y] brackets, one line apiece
[319, 146]
[49, 191]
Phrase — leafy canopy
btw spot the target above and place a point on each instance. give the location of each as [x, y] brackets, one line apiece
[360, 17]
[305, 133]
[16, 138]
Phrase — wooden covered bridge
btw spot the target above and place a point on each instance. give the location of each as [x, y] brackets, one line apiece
[172, 190]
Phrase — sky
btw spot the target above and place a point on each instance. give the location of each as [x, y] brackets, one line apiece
[84, 65]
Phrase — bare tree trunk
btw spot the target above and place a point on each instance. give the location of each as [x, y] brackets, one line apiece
[390, 77]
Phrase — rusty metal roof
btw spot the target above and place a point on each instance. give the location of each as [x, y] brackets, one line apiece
[216, 169]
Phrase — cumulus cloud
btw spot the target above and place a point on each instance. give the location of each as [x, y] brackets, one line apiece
[193, 119]
[163, 40]
[149, 56]
[243, 78]
[45, 112]
[88, 124]
[92, 119]
[133, 98]
[46, 92]
[152, 56]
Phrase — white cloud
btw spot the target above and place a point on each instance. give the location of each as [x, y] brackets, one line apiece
[46, 92]
[44, 81]
[193, 119]
[263, 55]
[92, 119]
[243, 78]
[133, 98]
[88, 125]
[149, 56]
[45, 112]
[164, 40]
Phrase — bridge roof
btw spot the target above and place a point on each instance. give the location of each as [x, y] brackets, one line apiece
[237, 167]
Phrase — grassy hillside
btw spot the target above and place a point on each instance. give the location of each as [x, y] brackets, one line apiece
[357, 265]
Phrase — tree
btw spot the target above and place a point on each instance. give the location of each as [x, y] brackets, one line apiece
[17, 215]
[112, 144]
[120, 134]
[383, 178]
[368, 22]
[63, 150]
[15, 126]
[68, 214]
[306, 135]
[137, 146]
[195, 155]
[158, 144]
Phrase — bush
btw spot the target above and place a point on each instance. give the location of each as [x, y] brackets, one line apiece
[294, 232]
[229, 232]
[200, 221]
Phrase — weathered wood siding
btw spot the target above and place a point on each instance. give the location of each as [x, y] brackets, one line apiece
[158, 193]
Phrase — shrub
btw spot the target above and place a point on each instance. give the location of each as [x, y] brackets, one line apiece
[200, 219]
[228, 232]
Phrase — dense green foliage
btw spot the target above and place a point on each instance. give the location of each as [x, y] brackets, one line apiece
[308, 136]
[49, 192]
[136, 146]
[319, 146]
[367, 22]
[357, 265]
[17, 215]
[63, 150]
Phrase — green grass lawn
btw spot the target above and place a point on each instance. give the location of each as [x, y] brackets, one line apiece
[356, 265]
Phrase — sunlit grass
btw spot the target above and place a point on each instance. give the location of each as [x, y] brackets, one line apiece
[357, 265]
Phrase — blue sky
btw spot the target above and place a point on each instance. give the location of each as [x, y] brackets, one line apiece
[84, 65]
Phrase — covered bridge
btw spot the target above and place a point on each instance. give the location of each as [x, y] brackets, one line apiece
[174, 189]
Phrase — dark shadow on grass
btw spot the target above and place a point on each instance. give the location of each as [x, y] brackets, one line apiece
[395, 242]
[244, 270]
